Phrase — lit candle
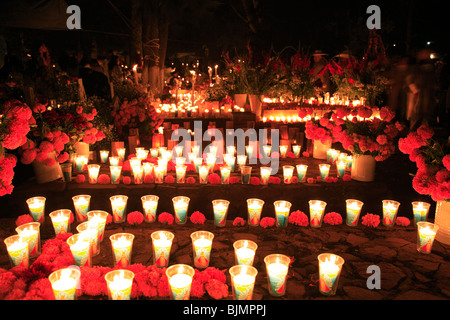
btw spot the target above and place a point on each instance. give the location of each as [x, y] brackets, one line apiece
[277, 267]
[180, 205]
[159, 174]
[203, 172]
[30, 232]
[60, 220]
[162, 243]
[178, 151]
[330, 266]
[243, 281]
[316, 210]
[64, 283]
[246, 172]
[197, 163]
[231, 150]
[296, 149]
[138, 174]
[244, 252]
[119, 207]
[426, 232]
[180, 280]
[150, 205]
[340, 166]
[283, 150]
[267, 150]
[36, 206]
[210, 162]
[288, 171]
[80, 247]
[254, 209]
[122, 244]
[81, 204]
[265, 173]
[225, 172]
[148, 168]
[353, 211]
[349, 161]
[230, 160]
[301, 172]
[324, 171]
[154, 152]
[114, 161]
[334, 155]
[220, 208]
[420, 211]
[202, 244]
[18, 251]
[181, 173]
[241, 160]
[390, 209]
[121, 153]
[134, 162]
[249, 150]
[99, 217]
[90, 230]
[104, 154]
[93, 171]
[282, 209]
[81, 162]
[141, 153]
[119, 283]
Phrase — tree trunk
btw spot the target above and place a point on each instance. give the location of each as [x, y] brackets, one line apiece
[150, 44]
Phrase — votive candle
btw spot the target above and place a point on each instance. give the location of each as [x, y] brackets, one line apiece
[161, 243]
[60, 220]
[99, 217]
[203, 172]
[220, 208]
[225, 172]
[65, 283]
[93, 171]
[265, 173]
[353, 211]
[18, 251]
[330, 266]
[324, 171]
[90, 229]
[316, 210]
[119, 207]
[36, 207]
[283, 151]
[254, 210]
[180, 280]
[138, 174]
[80, 245]
[390, 209]
[277, 267]
[288, 171]
[244, 251]
[301, 172]
[119, 283]
[30, 232]
[340, 166]
[150, 205]
[420, 210]
[114, 161]
[426, 233]
[81, 204]
[159, 173]
[243, 281]
[181, 173]
[122, 247]
[121, 153]
[104, 154]
[180, 206]
[296, 150]
[202, 245]
[282, 209]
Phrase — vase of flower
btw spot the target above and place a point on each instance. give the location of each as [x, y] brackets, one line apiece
[240, 99]
[363, 167]
[46, 173]
[320, 149]
[442, 219]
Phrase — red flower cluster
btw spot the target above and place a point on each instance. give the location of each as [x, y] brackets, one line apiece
[402, 221]
[255, 181]
[332, 218]
[15, 124]
[238, 222]
[135, 218]
[370, 220]
[267, 222]
[24, 218]
[214, 178]
[7, 164]
[104, 179]
[166, 218]
[298, 218]
[169, 179]
[198, 218]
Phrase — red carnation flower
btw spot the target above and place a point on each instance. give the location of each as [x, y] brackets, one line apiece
[267, 222]
[402, 221]
[238, 222]
[347, 177]
[126, 180]
[274, 180]
[311, 180]
[190, 180]
[234, 180]
[148, 179]
[255, 181]
[169, 179]
[166, 218]
[298, 218]
[24, 218]
[306, 154]
[216, 289]
[371, 220]
[104, 179]
[198, 218]
[135, 218]
[80, 178]
[214, 178]
[332, 218]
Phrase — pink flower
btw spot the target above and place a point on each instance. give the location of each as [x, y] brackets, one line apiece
[214, 178]
[190, 180]
[446, 161]
[28, 156]
[425, 132]
[347, 177]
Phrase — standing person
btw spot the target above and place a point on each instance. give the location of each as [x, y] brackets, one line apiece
[423, 84]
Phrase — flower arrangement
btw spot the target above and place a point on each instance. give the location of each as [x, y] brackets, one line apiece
[138, 113]
[320, 130]
[432, 160]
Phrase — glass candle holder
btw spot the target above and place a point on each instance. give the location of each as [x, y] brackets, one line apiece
[180, 161]
[60, 220]
[134, 162]
[196, 150]
[220, 209]
[93, 171]
[181, 173]
[18, 251]
[329, 154]
[254, 210]
[119, 207]
[119, 284]
[283, 151]
[65, 283]
[348, 163]
[104, 155]
[282, 209]
[265, 173]
[66, 169]
[150, 206]
[390, 209]
[288, 171]
[203, 172]
[114, 161]
[159, 173]
[277, 267]
[249, 151]
[241, 160]
[324, 171]
[231, 150]
[141, 153]
[197, 163]
[138, 174]
[225, 172]
[426, 233]
[90, 230]
[148, 169]
[420, 211]
[316, 210]
[30, 232]
[180, 280]
[115, 172]
[180, 206]
[36, 207]
[353, 211]
[122, 248]
[81, 204]
[99, 217]
[244, 252]
[81, 163]
[267, 150]
[246, 172]
[201, 247]
[301, 172]
[121, 153]
[330, 266]
[335, 155]
[154, 152]
[243, 281]
[161, 244]
[340, 167]
[80, 246]
[296, 150]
